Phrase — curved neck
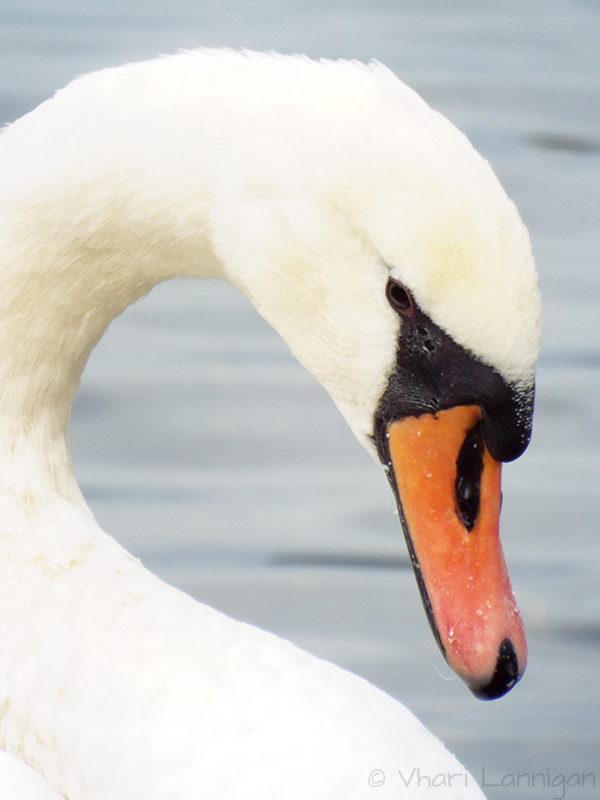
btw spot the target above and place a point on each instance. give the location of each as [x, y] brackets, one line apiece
[65, 273]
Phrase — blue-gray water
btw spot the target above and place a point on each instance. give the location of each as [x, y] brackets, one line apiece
[207, 451]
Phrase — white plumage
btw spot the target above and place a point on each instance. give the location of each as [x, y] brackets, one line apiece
[305, 185]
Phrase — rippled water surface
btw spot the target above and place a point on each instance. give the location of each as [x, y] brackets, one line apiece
[207, 451]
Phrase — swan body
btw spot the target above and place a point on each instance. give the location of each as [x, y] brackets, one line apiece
[309, 186]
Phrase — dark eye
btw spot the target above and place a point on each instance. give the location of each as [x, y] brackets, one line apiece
[399, 298]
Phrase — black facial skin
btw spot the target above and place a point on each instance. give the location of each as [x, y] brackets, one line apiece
[433, 373]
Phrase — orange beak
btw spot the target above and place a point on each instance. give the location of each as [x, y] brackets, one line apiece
[449, 488]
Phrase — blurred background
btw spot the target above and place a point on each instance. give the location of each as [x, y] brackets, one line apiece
[208, 452]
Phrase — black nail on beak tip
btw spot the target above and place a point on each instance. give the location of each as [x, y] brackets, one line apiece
[505, 675]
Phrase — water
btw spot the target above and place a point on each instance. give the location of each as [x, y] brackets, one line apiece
[205, 449]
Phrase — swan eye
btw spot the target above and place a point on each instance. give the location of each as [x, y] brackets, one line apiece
[399, 298]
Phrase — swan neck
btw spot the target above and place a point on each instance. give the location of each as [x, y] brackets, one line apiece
[60, 287]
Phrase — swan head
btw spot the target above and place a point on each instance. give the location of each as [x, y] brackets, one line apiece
[401, 276]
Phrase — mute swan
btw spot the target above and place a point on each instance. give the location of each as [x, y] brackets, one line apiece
[381, 247]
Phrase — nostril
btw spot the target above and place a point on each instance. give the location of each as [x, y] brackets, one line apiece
[469, 468]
